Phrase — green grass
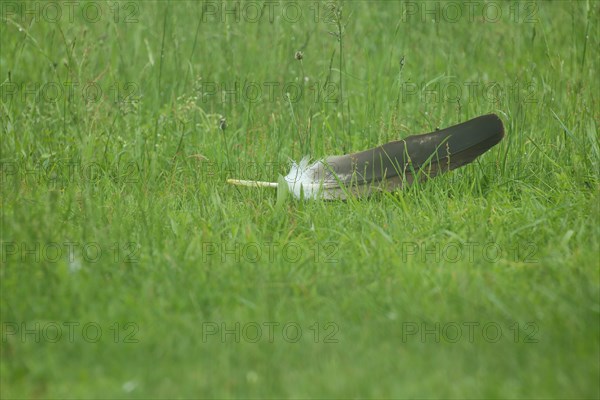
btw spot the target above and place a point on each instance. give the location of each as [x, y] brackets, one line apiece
[510, 242]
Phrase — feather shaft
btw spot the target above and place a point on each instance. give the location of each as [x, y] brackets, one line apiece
[242, 182]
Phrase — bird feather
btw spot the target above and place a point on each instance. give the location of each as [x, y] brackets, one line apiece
[392, 165]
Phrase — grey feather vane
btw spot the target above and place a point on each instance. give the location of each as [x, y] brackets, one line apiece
[392, 165]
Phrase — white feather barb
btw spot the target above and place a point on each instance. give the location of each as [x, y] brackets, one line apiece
[306, 178]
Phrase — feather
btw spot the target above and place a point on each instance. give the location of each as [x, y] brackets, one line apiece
[392, 165]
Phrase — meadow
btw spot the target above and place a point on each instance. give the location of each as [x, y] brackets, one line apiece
[131, 269]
